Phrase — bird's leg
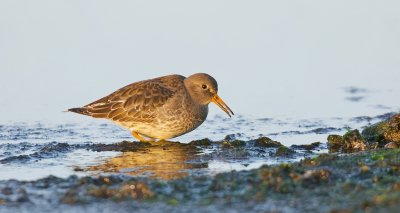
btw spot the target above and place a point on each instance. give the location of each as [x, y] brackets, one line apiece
[140, 138]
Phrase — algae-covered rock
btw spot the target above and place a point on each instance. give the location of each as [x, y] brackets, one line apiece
[315, 176]
[307, 147]
[202, 142]
[266, 142]
[71, 197]
[335, 142]
[232, 137]
[284, 151]
[392, 145]
[234, 143]
[391, 129]
[128, 190]
[384, 132]
[352, 141]
[374, 133]
[238, 143]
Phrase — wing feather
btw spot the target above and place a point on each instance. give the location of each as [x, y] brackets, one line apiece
[137, 101]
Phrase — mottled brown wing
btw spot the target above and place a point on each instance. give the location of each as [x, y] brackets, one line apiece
[135, 102]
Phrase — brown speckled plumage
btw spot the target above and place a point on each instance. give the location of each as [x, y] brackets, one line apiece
[159, 108]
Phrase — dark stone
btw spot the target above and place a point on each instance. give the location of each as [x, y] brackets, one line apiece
[352, 141]
[267, 142]
[284, 151]
[307, 147]
[202, 142]
[384, 132]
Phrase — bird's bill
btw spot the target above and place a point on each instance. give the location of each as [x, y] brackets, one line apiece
[219, 102]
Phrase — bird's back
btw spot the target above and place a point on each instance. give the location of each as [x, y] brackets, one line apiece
[136, 102]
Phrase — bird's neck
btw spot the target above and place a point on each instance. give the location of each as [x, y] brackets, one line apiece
[190, 88]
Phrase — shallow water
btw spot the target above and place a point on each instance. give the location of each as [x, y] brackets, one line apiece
[32, 151]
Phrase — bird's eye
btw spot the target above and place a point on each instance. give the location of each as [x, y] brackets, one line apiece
[204, 86]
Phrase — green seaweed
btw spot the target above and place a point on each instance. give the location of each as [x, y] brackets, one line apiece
[351, 141]
[284, 151]
[384, 132]
[266, 142]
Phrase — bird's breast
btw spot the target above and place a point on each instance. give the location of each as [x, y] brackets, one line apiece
[177, 117]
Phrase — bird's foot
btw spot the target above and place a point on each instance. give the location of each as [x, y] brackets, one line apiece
[140, 138]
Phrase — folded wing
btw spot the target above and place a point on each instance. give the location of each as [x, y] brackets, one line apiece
[135, 102]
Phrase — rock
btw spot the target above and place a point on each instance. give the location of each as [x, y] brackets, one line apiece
[226, 144]
[384, 132]
[266, 142]
[352, 141]
[364, 169]
[315, 176]
[235, 143]
[232, 137]
[307, 147]
[22, 195]
[202, 142]
[137, 191]
[374, 145]
[124, 146]
[335, 142]
[55, 147]
[374, 133]
[392, 145]
[7, 191]
[284, 151]
[70, 197]
[391, 129]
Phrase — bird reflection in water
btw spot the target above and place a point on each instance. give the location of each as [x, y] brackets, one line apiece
[162, 160]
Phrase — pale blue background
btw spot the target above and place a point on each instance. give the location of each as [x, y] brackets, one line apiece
[271, 58]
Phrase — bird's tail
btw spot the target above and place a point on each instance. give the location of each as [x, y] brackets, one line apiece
[78, 110]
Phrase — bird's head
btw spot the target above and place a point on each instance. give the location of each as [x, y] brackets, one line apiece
[204, 89]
